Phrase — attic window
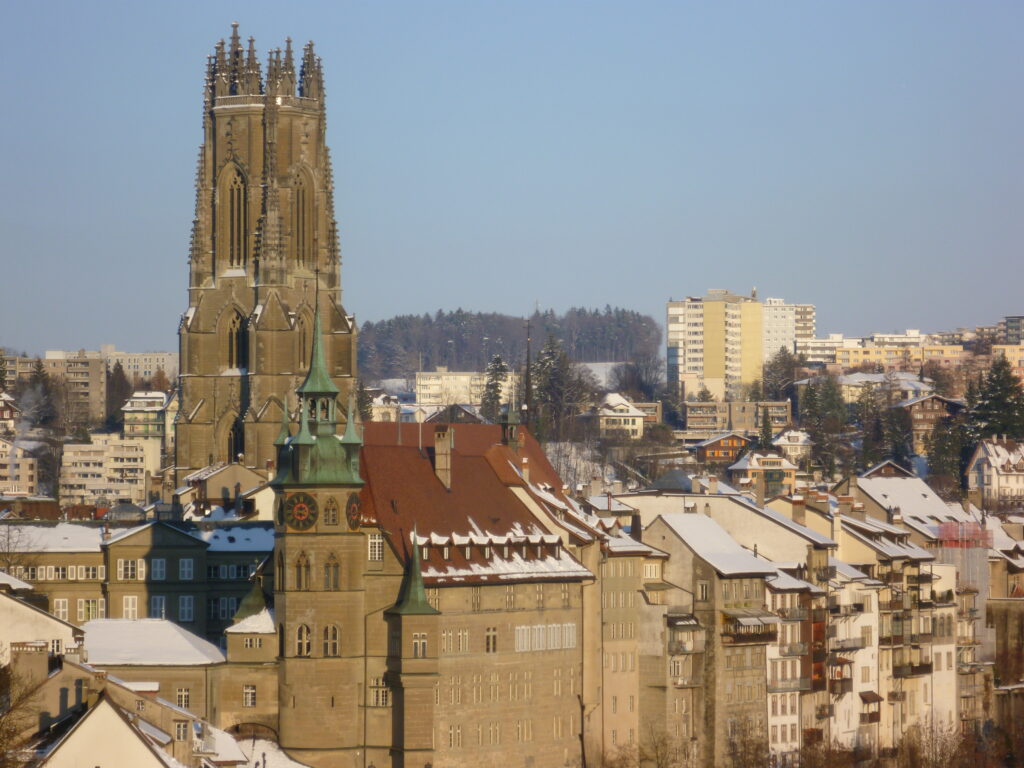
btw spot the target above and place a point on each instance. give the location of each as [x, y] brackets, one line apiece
[425, 553]
[540, 551]
[446, 553]
[504, 552]
[469, 553]
[487, 552]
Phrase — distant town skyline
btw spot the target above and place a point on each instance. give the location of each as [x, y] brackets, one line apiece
[861, 157]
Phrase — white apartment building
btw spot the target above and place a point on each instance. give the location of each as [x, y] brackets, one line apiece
[108, 469]
[444, 387]
[141, 364]
[779, 327]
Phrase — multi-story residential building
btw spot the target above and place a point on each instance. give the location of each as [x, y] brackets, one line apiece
[824, 351]
[1011, 329]
[900, 357]
[145, 418]
[778, 327]
[766, 474]
[925, 413]
[900, 385]
[1014, 354]
[711, 418]
[84, 378]
[444, 387]
[995, 474]
[141, 365]
[108, 469]
[806, 322]
[715, 342]
[19, 470]
[721, 449]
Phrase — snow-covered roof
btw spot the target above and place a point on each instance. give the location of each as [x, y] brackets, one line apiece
[791, 525]
[261, 623]
[615, 404]
[721, 436]
[250, 537]
[920, 506]
[223, 746]
[13, 583]
[145, 642]
[756, 460]
[1003, 455]
[847, 571]
[62, 537]
[268, 754]
[796, 437]
[711, 543]
[608, 503]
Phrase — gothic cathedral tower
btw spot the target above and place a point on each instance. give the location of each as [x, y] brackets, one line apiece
[264, 243]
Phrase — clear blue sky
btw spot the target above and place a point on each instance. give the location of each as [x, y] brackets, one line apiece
[864, 156]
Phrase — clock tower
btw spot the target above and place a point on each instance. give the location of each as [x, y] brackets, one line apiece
[320, 559]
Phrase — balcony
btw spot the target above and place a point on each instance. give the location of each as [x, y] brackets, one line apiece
[901, 670]
[819, 615]
[791, 684]
[679, 647]
[798, 613]
[825, 573]
[921, 638]
[848, 644]
[824, 711]
[891, 577]
[895, 696]
[692, 680]
[866, 718]
[793, 649]
[899, 604]
[840, 686]
[967, 640]
[924, 668]
[920, 578]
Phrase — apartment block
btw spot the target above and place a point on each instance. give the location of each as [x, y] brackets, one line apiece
[108, 469]
[19, 470]
[444, 387]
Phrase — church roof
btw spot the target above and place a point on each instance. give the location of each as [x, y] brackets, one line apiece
[317, 381]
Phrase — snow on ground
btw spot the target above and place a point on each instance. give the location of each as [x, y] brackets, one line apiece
[266, 754]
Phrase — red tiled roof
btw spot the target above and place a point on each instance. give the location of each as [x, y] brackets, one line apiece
[402, 491]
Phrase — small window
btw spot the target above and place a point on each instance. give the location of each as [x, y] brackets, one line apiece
[332, 641]
[248, 695]
[375, 547]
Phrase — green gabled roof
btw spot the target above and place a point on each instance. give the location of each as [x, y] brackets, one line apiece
[317, 381]
[252, 603]
[412, 597]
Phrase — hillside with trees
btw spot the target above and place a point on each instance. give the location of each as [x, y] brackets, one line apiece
[468, 341]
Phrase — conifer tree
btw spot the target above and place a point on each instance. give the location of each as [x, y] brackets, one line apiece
[490, 402]
[999, 408]
[364, 403]
[767, 434]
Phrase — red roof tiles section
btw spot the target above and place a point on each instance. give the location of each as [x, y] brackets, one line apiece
[481, 510]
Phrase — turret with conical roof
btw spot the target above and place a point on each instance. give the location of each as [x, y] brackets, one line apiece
[412, 597]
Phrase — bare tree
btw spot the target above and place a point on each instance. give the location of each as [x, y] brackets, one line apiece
[19, 710]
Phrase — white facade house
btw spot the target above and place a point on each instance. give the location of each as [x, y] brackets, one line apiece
[996, 473]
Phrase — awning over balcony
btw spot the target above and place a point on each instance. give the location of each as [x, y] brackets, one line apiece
[870, 697]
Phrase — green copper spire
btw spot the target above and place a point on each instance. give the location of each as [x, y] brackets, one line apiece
[317, 381]
[252, 603]
[412, 598]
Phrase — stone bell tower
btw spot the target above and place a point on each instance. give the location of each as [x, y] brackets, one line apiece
[264, 243]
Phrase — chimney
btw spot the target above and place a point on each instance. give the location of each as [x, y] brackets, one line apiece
[799, 510]
[857, 510]
[444, 439]
[760, 489]
[853, 487]
[845, 505]
[636, 528]
[712, 484]
[895, 516]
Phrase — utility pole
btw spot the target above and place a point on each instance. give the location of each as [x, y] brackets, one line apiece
[527, 383]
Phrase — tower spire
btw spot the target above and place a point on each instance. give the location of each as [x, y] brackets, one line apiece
[412, 597]
[317, 381]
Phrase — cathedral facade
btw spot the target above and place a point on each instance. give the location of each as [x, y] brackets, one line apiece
[264, 249]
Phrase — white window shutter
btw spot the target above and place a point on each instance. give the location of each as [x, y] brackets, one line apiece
[120, 569]
[142, 569]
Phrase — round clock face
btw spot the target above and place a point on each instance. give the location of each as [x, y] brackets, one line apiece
[300, 511]
[352, 511]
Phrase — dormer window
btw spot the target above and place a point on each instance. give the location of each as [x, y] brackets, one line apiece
[446, 553]
[487, 552]
[504, 552]
[469, 553]
[425, 553]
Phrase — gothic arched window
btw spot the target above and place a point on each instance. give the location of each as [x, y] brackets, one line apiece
[302, 572]
[332, 641]
[237, 342]
[302, 640]
[302, 222]
[332, 572]
[237, 222]
[303, 328]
